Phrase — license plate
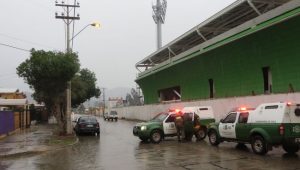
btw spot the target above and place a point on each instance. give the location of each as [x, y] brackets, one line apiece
[89, 126]
[297, 140]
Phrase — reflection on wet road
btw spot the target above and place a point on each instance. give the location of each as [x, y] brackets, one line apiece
[117, 149]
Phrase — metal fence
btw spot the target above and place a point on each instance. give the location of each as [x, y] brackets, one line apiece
[7, 122]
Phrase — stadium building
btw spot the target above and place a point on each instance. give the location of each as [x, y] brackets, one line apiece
[252, 47]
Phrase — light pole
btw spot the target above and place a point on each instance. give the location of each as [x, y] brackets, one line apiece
[69, 16]
[94, 24]
[68, 90]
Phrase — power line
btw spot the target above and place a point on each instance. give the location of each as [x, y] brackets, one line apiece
[25, 41]
[11, 46]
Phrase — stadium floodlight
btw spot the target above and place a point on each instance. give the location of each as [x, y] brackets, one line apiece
[159, 13]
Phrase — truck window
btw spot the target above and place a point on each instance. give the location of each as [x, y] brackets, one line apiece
[230, 118]
[203, 109]
[243, 118]
[171, 118]
[113, 113]
[272, 107]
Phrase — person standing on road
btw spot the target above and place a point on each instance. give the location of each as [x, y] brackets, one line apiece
[188, 122]
[197, 126]
[179, 126]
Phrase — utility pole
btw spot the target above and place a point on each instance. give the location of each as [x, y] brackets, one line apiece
[103, 89]
[68, 18]
[159, 13]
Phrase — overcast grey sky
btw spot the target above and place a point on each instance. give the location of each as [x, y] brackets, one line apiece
[127, 34]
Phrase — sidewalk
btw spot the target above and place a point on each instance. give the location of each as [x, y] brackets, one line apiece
[35, 140]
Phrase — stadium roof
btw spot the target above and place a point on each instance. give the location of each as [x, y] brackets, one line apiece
[216, 28]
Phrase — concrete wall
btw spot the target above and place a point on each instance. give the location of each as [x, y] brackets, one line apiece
[220, 106]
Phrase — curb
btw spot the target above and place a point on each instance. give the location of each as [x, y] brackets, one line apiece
[37, 152]
[20, 154]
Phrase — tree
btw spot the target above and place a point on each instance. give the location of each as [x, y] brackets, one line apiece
[84, 87]
[47, 73]
[133, 99]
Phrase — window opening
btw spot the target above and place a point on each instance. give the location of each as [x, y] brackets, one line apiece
[170, 94]
[211, 88]
[267, 80]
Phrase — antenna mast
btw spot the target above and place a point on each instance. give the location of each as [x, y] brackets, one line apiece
[159, 13]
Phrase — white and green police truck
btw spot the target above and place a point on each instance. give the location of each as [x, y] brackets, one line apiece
[163, 124]
[269, 125]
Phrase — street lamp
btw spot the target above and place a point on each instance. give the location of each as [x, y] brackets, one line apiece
[68, 90]
[94, 24]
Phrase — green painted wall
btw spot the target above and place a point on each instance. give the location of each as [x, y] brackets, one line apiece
[236, 68]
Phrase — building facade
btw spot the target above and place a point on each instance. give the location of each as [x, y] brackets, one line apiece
[259, 55]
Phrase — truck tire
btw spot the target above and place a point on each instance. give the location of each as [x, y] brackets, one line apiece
[201, 134]
[213, 138]
[290, 148]
[258, 144]
[156, 136]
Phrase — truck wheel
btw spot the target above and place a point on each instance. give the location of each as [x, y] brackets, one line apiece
[213, 138]
[156, 136]
[290, 148]
[259, 145]
[144, 139]
[201, 134]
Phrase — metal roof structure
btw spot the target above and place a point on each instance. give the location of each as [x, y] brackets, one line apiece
[214, 29]
[13, 102]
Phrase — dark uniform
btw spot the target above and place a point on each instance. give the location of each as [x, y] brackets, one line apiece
[188, 126]
[197, 126]
[179, 126]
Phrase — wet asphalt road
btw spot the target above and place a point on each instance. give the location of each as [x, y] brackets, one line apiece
[118, 149]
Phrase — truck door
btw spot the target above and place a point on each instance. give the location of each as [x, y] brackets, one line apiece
[169, 125]
[242, 128]
[227, 126]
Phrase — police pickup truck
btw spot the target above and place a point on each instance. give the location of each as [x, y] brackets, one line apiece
[163, 124]
[269, 125]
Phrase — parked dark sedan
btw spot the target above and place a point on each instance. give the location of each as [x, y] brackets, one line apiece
[87, 124]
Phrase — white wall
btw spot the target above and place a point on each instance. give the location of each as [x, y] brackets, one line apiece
[220, 106]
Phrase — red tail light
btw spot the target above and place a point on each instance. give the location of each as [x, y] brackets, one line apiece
[97, 125]
[281, 129]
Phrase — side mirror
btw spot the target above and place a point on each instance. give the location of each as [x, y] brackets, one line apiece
[74, 121]
[221, 120]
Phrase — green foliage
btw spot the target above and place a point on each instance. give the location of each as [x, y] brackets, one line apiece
[84, 87]
[48, 73]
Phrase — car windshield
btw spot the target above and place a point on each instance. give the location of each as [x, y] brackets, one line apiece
[113, 113]
[160, 117]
